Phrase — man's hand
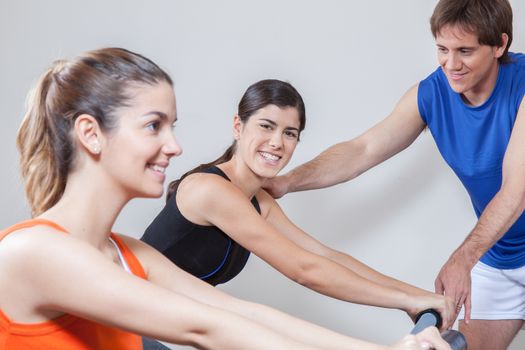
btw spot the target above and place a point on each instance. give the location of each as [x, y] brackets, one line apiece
[277, 186]
[454, 282]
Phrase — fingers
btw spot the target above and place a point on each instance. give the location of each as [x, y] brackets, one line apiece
[449, 315]
[468, 308]
[459, 303]
[431, 339]
[462, 297]
[410, 342]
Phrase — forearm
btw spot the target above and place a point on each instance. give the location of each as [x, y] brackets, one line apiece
[302, 331]
[187, 322]
[339, 163]
[369, 273]
[499, 215]
[334, 280]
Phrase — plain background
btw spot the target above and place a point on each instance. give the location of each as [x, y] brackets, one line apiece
[351, 60]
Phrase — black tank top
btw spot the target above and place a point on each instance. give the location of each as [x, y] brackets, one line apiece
[204, 251]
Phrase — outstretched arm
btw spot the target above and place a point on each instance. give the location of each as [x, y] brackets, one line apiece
[347, 160]
[163, 273]
[211, 200]
[499, 215]
[73, 277]
[421, 299]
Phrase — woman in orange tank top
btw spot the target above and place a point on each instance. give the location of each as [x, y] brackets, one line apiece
[98, 133]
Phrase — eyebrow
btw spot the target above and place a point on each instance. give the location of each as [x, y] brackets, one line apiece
[275, 124]
[161, 115]
[458, 48]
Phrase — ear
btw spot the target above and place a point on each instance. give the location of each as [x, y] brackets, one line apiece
[237, 127]
[88, 132]
[500, 50]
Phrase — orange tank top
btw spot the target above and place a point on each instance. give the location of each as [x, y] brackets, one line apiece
[68, 332]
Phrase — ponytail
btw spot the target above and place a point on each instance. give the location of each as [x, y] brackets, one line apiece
[228, 154]
[44, 184]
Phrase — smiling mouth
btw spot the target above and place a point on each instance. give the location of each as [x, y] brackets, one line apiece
[270, 157]
[157, 168]
[456, 76]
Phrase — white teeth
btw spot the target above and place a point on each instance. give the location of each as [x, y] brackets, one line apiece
[158, 168]
[269, 156]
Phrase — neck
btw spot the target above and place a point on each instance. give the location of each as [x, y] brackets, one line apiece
[482, 91]
[87, 209]
[242, 176]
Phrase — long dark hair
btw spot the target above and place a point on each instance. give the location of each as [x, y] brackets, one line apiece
[257, 96]
[95, 83]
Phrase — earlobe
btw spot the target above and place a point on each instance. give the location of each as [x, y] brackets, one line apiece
[87, 132]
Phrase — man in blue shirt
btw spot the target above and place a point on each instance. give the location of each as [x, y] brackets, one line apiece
[473, 106]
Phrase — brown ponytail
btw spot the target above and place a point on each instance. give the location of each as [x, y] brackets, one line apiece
[43, 182]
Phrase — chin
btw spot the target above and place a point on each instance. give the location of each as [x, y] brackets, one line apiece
[265, 173]
[457, 89]
[153, 194]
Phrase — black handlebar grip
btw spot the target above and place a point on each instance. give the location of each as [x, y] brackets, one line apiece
[427, 318]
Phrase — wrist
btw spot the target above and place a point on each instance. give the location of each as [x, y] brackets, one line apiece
[407, 302]
[288, 182]
[466, 256]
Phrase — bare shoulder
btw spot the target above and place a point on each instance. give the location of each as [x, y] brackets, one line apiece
[27, 242]
[37, 253]
[199, 183]
[206, 191]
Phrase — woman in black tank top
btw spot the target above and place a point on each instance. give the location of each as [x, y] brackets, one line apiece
[218, 213]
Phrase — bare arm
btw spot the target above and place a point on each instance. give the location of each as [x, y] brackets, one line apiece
[422, 299]
[163, 273]
[73, 277]
[210, 200]
[347, 160]
[499, 215]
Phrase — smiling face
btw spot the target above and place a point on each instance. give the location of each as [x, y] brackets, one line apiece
[267, 140]
[136, 154]
[471, 68]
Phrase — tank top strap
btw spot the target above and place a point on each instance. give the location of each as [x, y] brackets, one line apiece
[130, 259]
[215, 170]
[31, 223]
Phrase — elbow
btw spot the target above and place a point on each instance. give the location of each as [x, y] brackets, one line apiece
[197, 339]
[515, 195]
[202, 336]
[310, 275]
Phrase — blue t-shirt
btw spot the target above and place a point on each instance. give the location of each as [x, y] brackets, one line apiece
[473, 141]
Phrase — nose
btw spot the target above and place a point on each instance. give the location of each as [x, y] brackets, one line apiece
[453, 62]
[171, 147]
[275, 140]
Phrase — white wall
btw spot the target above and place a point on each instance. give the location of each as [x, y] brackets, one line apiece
[351, 60]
